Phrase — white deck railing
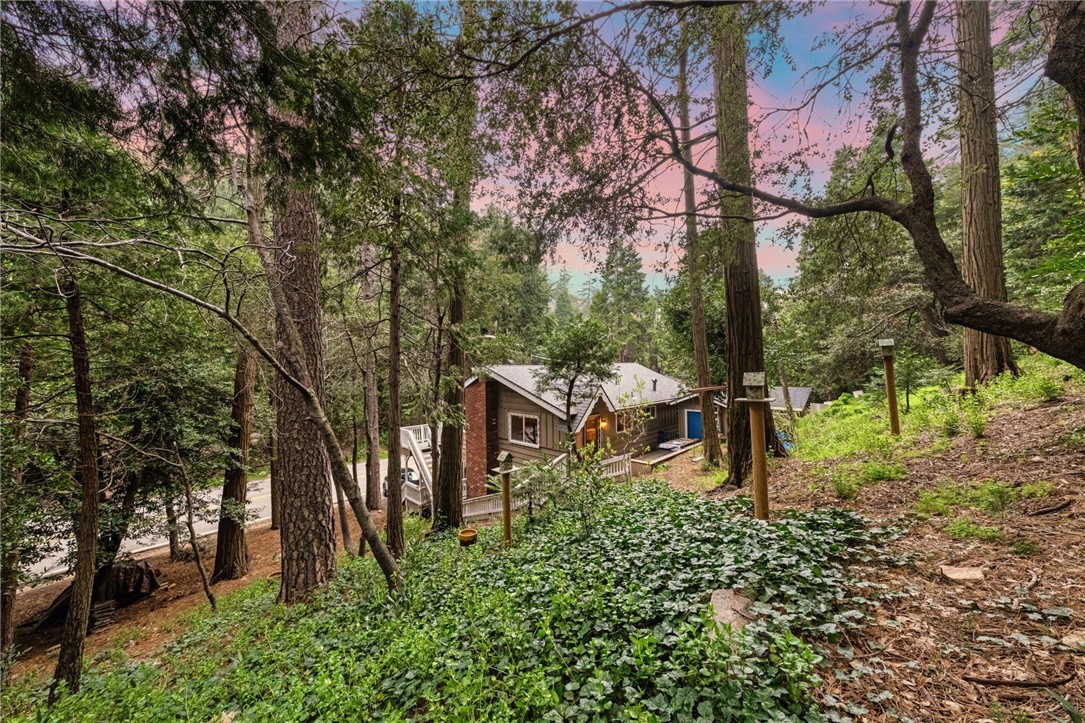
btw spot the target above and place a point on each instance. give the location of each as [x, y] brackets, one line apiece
[421, 434]
[616, 467]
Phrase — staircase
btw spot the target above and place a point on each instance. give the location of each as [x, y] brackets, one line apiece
[416, 446]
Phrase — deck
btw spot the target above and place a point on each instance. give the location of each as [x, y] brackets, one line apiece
[650, 460]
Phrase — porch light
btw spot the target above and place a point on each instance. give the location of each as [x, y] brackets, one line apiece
[603, 423]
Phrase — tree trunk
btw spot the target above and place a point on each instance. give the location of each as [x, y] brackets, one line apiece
[193, 540]
[171, 529]
[231, 551]
[985, 356]
[372, 429]
[69, 667]
[307, 537]
[1065, 26]
[344, 523]
[448, 505]
[292, 370]
[109, 543]
[745, 343]
[9, 562]
[712, 452]
[393, 528]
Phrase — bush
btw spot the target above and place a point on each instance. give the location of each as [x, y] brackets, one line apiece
[879, 471]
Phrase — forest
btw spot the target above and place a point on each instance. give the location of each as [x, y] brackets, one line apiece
[436, 361]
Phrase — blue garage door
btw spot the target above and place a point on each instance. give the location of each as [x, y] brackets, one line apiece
[693, 425]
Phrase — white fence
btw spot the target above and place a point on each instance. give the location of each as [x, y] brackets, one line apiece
[616, 467]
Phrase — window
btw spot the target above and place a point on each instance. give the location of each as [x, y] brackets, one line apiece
[524, 429]
[633, 417]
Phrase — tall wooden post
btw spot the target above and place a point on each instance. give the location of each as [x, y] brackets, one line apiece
[890, 384]
[755, 398]
[506, 505]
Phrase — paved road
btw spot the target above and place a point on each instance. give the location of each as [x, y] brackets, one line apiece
[259, 510]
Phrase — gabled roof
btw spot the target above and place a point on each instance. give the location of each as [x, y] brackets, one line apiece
[634, 385]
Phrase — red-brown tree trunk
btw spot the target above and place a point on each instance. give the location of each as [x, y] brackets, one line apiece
[985, 356]
[713, 453]
[307, 537]
[745, 342]
[69, 667]
[231, 550]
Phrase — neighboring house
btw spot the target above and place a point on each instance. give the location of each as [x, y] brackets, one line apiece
[800, 399]
[634, 412]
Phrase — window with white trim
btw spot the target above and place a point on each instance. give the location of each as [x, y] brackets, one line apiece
[524, 429]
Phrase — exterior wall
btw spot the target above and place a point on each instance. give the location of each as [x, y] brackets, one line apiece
[551, 429]
[480, 401]
[695, 404]
[665, 424]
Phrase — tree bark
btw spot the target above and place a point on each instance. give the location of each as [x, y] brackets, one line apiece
[372, 414]
[231, 550]
[193, 540]
[713, 453]
[291, 368]
[393, 528]
[985, 355]
[307, 537]
[69, 667]
[1065, 22]
[109, 543]
[9, 562]
[745, 342]
[448, 505]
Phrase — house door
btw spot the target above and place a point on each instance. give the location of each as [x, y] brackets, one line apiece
[591, 430]
[693, 424]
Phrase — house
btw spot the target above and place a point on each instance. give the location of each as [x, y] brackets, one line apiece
[800, 399]
[634, 412]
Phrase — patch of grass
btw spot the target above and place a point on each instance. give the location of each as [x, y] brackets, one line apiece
[609, 622]
[990, 496]
[961, 529]
[879, 471]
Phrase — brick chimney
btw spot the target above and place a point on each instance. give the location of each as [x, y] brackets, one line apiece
[480, 433]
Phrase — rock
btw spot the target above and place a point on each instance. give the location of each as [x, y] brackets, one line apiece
[1075, 640]
[962, 574]
[729, 608]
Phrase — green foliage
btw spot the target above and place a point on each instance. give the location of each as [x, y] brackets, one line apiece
[612, 625]
[967, 529]
[878, 471]
[990, 496]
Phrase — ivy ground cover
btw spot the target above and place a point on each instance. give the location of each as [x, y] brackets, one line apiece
[589, 617]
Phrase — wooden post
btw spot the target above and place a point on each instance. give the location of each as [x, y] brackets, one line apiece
[755, 397]
[506, 505]
[890, 384]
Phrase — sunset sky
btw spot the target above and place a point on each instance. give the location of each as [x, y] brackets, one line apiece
[781, 88]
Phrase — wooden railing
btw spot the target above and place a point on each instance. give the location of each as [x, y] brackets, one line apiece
[618, 467]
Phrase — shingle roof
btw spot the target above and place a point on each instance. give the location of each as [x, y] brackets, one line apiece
[633, 385]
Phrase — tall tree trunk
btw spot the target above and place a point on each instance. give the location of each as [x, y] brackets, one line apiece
[292, 369]
[372, 404]
[745, 342]
[985, 356]
[193, 540]
[712, 450]
[9, 561]
[231, 550]
[307, 538]
[70, 661]
[393, 528]
[448, 505]
[344, 523]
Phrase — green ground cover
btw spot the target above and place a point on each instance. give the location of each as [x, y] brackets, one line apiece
[601, 617]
